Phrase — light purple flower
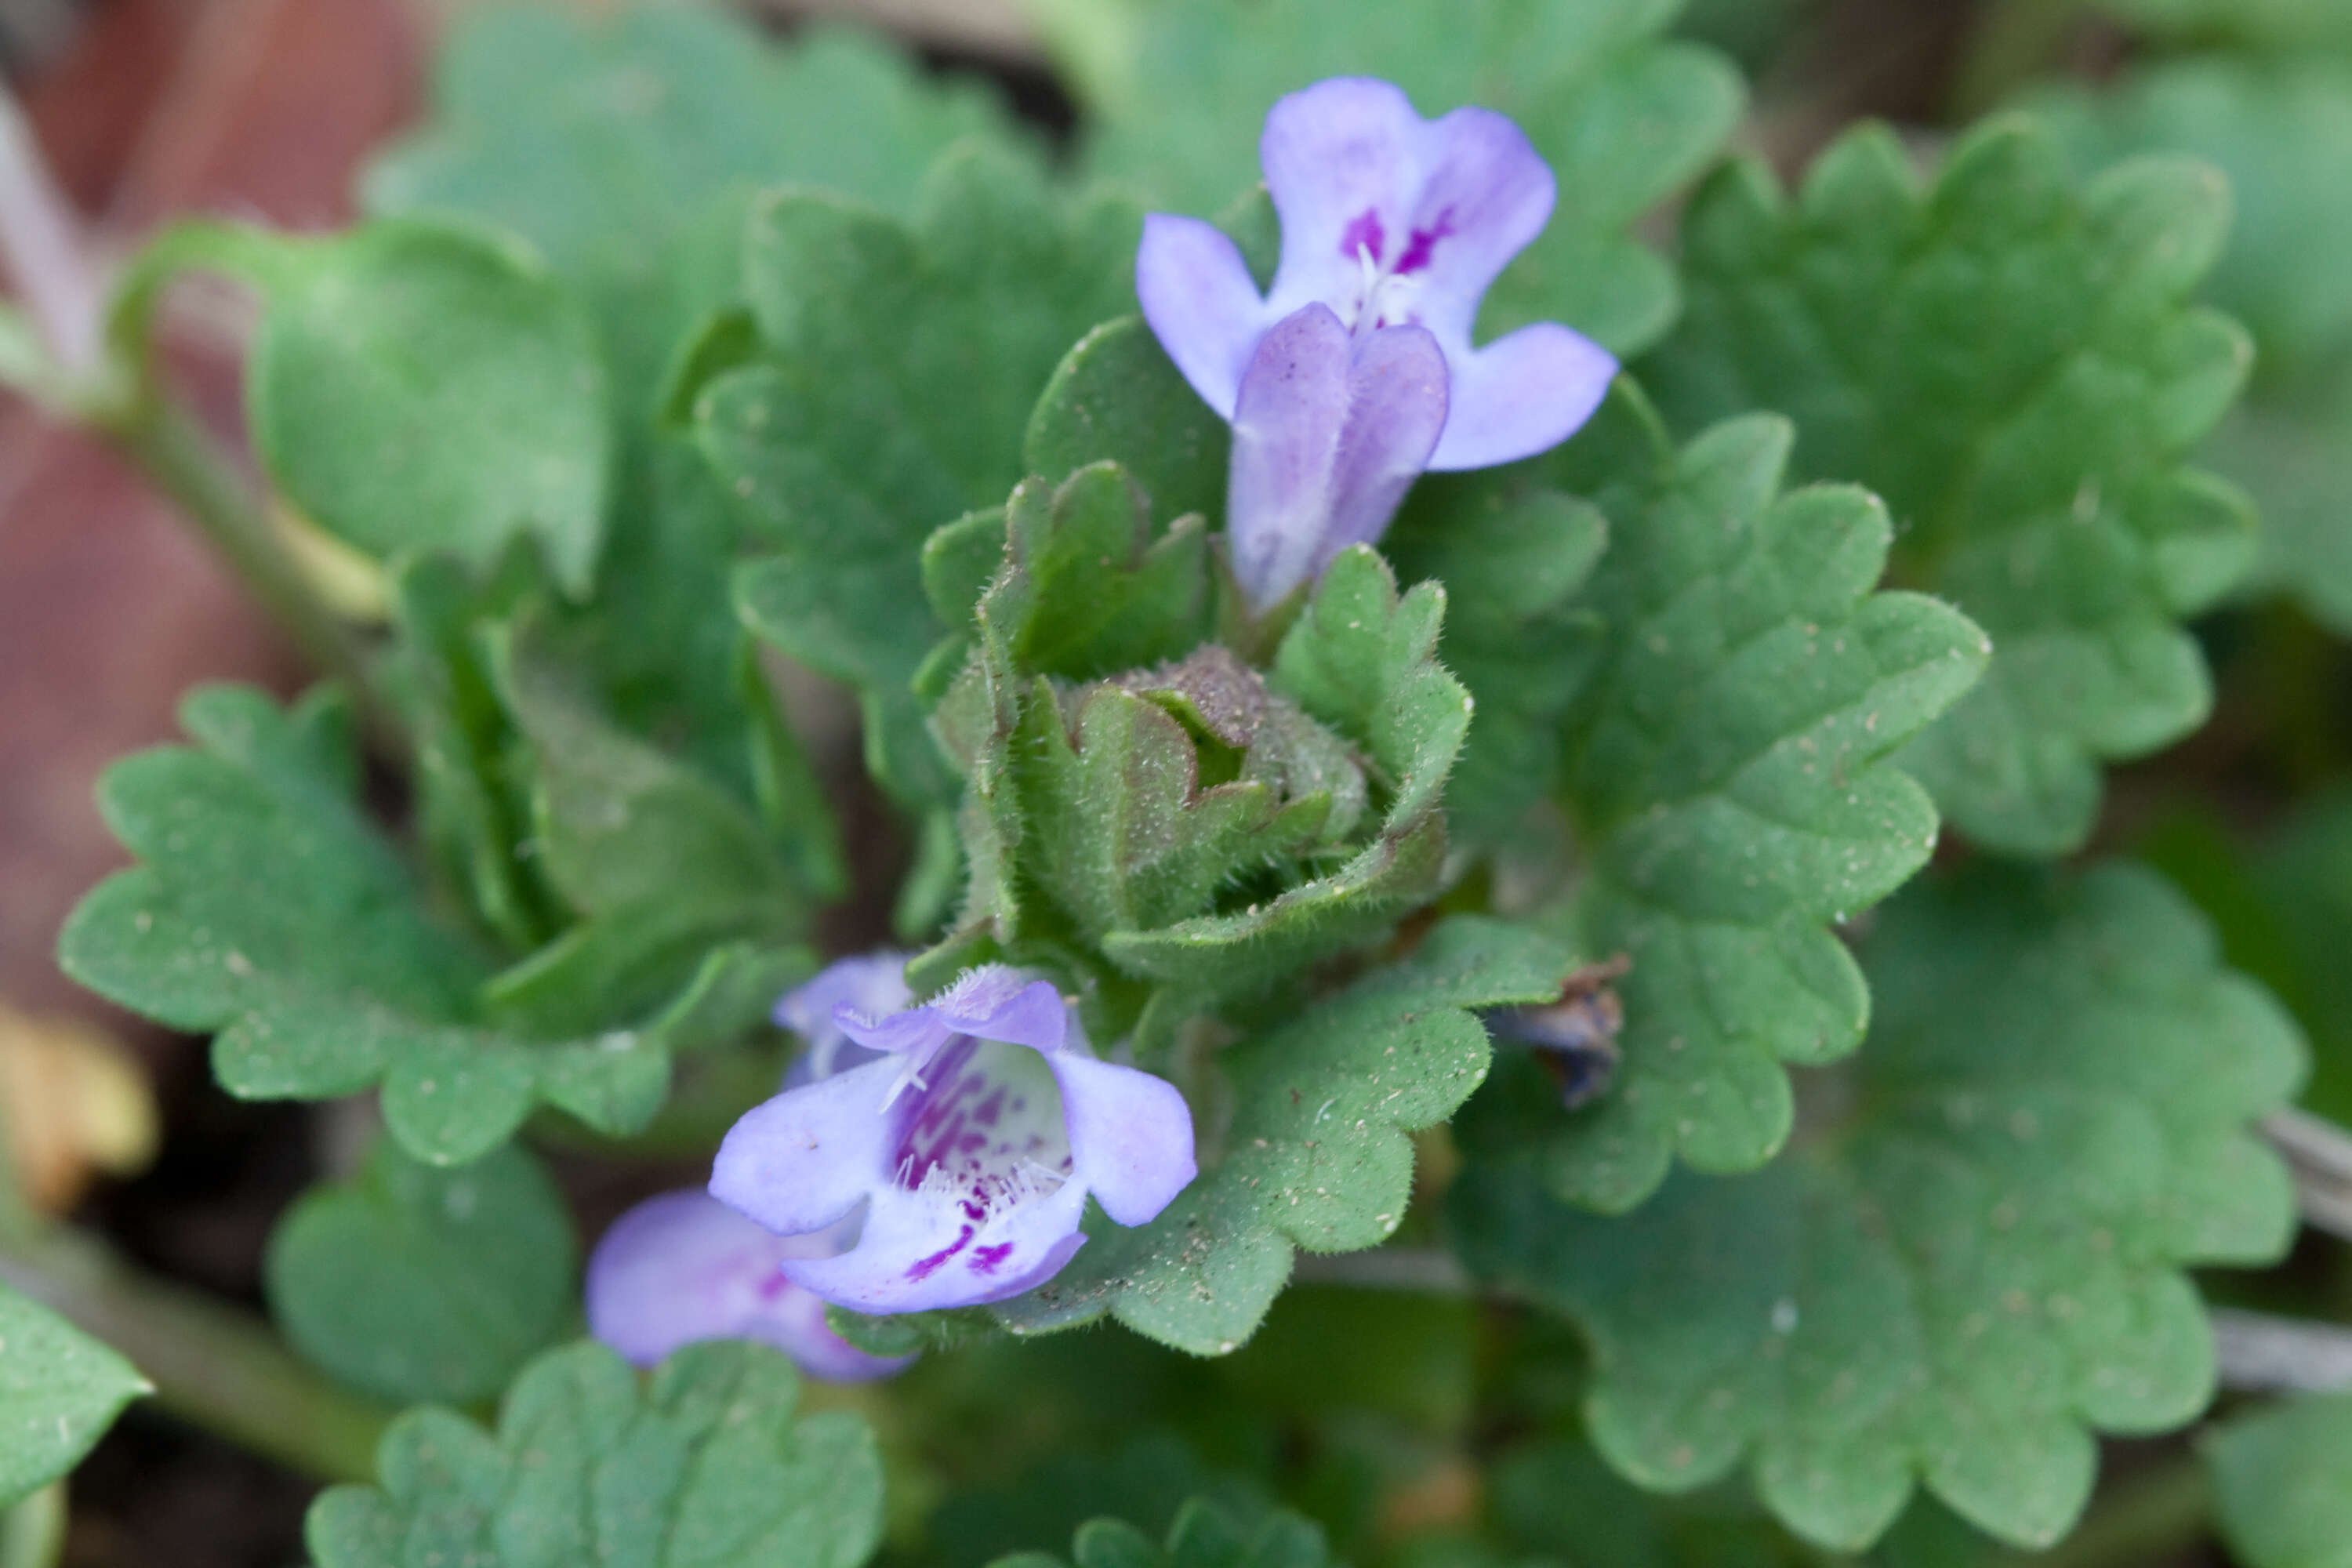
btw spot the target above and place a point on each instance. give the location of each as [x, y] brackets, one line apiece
[961, 1161]
[684, 1267]
[870, 987]
[1356, 371]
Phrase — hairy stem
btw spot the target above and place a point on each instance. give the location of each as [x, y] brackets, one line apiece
[188, 464]
[212, 1365]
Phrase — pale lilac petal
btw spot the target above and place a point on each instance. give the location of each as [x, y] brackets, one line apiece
[1330, 431]
[949, 1165]
[916, 1254]
[1397, 401]
[1000, 1003]
[1521, 395]
[796, 1325]
[982, 1193]
[1343, 163]
[683, 1267]
[1485, 195]
[1200, 302]
[803, 1160]
[872, 986]
[1286, 425]
[1130, 1136]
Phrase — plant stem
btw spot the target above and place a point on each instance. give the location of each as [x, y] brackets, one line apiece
[43, 246]
[184, 462]
[2260, 1354]
[103, 375]
[33, 1533]
[2148, 1518]
[211, 1364]
[2320, 1153]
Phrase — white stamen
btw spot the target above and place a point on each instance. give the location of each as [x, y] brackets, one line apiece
[910, 1075]
[1382, 296]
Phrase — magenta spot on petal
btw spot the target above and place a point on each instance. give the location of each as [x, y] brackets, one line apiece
[972, 1143]
[1363, 233]
[987, 1259]
[989, 1109]
[930, 1266]
[774, 1286]
[1423, 244]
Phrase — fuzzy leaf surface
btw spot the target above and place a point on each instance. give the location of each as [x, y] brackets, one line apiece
[702, 1466]
[1515, 558]
[1179, 89]
[1974, 1259]
[1727, 774]
[417, 385]
[266, 907]
[59, 1391]
[416, 1282]
[1115, 397]
[2010, 360]
[2282, 1482]
[1360, 660]
[2276, 129]
[626, 147]
[850, 439]
[655, 860]
[1317, 1154]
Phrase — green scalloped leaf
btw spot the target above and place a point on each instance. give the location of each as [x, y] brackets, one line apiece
[1204, 1535]
[2280, 129]
[1315, 1154]
[267, 908]
[2009, 359]
[654, 861]
[1728, 778]
[1515, 557]
[1117, 397]
[59, 1391]
[2276, 129]
[414, 385]
[702, 1466]
[1179, 90]
[849, 438]
[626, 147]
[416, 1282]
[1974, 1257]
[2283, 1483]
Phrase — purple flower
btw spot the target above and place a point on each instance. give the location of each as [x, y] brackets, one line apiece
[684, 1267]
[869, 986]
[960, 1160]
[1355, 372]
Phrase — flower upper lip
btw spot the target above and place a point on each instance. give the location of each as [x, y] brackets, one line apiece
[1356, 370]
[1445, 204]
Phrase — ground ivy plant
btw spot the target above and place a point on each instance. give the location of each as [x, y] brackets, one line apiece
[1295, 728]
